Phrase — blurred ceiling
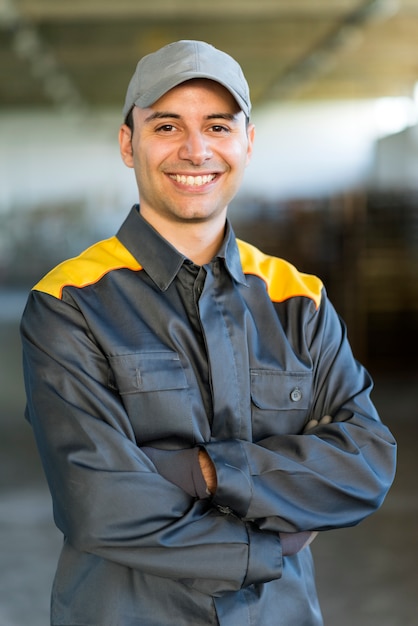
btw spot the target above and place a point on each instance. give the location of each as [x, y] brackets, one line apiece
[81, 53]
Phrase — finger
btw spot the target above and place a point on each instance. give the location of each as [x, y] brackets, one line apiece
[310, 425]
[327, 419]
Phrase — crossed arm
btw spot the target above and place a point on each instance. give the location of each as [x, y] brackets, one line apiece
[209, 471]
[291, 542]
[111, 501]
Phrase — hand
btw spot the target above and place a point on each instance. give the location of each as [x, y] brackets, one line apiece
[327, 419]
[208, 471]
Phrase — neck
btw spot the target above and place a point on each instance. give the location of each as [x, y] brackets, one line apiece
[198, 241]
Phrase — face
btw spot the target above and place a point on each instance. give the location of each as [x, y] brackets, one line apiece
[189, 151]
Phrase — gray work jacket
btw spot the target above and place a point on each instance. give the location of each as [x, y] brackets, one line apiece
[131, 347]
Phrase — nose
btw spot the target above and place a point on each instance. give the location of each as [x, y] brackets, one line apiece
[195, 148]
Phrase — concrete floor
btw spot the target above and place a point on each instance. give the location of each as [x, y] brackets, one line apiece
[367, 576]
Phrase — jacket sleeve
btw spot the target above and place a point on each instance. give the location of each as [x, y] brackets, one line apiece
[108, 498]
[333, 475]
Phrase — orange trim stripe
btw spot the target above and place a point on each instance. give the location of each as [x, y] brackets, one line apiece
[88, 268]
[283, 281]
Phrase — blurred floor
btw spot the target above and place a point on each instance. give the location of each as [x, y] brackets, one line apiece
[366, 575]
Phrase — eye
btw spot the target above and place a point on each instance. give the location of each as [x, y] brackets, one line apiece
[166, 128]
[219, 128]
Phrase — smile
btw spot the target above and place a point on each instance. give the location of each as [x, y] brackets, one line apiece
[193, 181]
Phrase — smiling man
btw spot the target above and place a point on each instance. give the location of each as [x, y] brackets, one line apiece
[197, 407]
[189, 150]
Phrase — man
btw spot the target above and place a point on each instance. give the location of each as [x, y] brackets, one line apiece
[197, 408]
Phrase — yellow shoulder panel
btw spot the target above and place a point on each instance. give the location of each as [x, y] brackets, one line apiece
[283, 281]
[88, 268]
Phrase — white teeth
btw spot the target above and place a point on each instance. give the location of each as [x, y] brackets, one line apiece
[193, 181]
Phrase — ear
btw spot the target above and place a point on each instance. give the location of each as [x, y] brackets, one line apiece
[125, 144]
[250, 136]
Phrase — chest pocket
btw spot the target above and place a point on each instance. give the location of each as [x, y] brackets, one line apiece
[154, 390]
[280, 402]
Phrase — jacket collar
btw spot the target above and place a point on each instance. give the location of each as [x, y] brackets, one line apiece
[161, 260]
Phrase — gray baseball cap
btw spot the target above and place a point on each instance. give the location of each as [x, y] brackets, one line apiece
[177, 62]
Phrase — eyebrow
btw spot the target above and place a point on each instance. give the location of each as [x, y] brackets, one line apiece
[157, 115]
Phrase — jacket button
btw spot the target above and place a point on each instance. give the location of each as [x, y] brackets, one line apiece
[296, 394]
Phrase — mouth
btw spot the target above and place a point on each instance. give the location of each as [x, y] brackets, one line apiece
[193, 181]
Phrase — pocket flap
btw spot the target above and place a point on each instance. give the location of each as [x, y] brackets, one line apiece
[148, 371]
[275, 389]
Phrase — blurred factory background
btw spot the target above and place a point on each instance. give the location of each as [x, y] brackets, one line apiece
[333, 187]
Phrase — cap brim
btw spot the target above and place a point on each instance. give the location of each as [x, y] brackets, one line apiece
[147, 99]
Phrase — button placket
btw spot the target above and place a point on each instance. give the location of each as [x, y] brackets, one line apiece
[225, 353]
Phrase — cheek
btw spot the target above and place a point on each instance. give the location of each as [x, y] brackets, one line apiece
[239, 153]
[149, 177]
[145, 164]
[238, 158]
[152, 157]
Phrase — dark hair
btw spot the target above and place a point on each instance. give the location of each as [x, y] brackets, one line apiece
[129, 120]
